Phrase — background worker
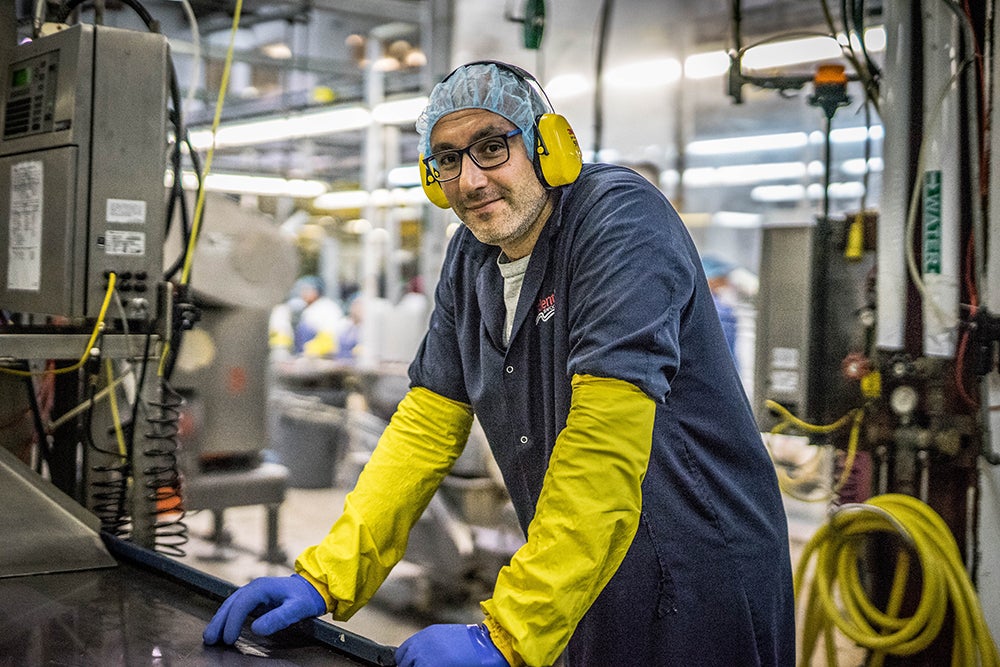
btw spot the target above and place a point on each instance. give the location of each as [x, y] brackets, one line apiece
[308, 323]
[572, 316]
[717, 272]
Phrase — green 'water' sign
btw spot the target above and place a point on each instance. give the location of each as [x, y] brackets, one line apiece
[932, 222]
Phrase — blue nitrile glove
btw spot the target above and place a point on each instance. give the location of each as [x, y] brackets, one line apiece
[290, 599]
[450, 645]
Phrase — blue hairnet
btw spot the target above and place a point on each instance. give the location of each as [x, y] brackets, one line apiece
[312, 282]
[483, 86]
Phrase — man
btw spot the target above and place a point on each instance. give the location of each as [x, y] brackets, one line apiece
[577, 323]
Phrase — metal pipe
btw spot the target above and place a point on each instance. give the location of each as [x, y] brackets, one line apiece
[942, 181]
[898, 176]
[923, 460]
[881, 456]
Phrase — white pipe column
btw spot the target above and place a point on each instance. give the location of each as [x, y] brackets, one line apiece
[896, 110]
[988, 530]
[940, 261]
[373, 239]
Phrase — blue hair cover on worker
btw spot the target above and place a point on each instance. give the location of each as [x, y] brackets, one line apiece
[483, 86]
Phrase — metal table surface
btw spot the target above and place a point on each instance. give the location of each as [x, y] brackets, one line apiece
[149, 610]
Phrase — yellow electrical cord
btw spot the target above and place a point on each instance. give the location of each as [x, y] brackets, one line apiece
[854, 417]
[224, 85]
[98, 328]
[838, 548]
[199, 207]
[115, 416]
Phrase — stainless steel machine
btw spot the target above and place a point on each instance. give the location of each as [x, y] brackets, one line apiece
[71, 596]
[81, 164]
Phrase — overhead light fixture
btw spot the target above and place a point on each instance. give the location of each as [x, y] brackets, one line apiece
[737, 219]
[716, 63]
[399, 112]
[706, 65]
[403, 176]
[770, 194]
[277, 51]
[645, 73]
[773, 194]
[265, 186]
[350, 200]
[743, 174]
[568, 85]
[849, 135]
[857, 167]
[293, 126]
[748, 143]
[342, 200]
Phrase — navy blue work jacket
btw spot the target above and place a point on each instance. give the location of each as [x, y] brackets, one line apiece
[614, 288]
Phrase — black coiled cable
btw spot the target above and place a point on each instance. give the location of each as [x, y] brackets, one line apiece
[161, 472]
[110, 482]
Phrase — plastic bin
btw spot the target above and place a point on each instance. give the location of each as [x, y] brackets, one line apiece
[309, 438]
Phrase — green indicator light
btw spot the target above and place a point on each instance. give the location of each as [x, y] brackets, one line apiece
[21, 77]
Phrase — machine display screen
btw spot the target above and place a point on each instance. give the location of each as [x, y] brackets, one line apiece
[21, 77]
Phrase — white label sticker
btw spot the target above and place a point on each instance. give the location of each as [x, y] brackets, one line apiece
[126, 210]
[117, 242]
[785, 357]
[24, 268]
[785, 381]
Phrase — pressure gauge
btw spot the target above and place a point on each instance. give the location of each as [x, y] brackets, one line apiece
[903, 400]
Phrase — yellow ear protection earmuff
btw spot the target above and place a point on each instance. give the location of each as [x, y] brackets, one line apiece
[557, 159]
[431, 186]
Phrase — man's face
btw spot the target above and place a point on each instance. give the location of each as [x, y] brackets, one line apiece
[505, 205]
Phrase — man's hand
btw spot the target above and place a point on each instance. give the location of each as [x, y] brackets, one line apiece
[290, 599]
[450, 645]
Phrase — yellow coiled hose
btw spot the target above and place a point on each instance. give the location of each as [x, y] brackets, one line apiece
[836, 548]
[808, 473]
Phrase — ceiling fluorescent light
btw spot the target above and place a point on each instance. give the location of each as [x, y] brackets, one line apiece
[847, 135]
[743, 174]
[737, 219]
[399, 112]
[646, 73]
[403, 176]
[298, 126]
[349, 200]
[706, 65]
[748, 144]
[265, 186]
[791, 52]
[568, 85]
[856, 167]
[341, 200]
[778, 193]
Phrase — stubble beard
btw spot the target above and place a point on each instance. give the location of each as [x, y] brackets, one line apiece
[506, 226]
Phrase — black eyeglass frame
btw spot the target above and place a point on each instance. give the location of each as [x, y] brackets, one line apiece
[466, 151]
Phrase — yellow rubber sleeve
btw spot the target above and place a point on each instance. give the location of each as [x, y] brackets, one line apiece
[321, 345]
[585, 520]
[426, 435]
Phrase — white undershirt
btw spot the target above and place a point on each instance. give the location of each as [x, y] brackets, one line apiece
[513, 277]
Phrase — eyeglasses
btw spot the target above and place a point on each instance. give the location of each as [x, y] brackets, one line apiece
[486, 153]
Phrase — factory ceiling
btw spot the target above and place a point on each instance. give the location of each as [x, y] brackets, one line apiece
[294, 55]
